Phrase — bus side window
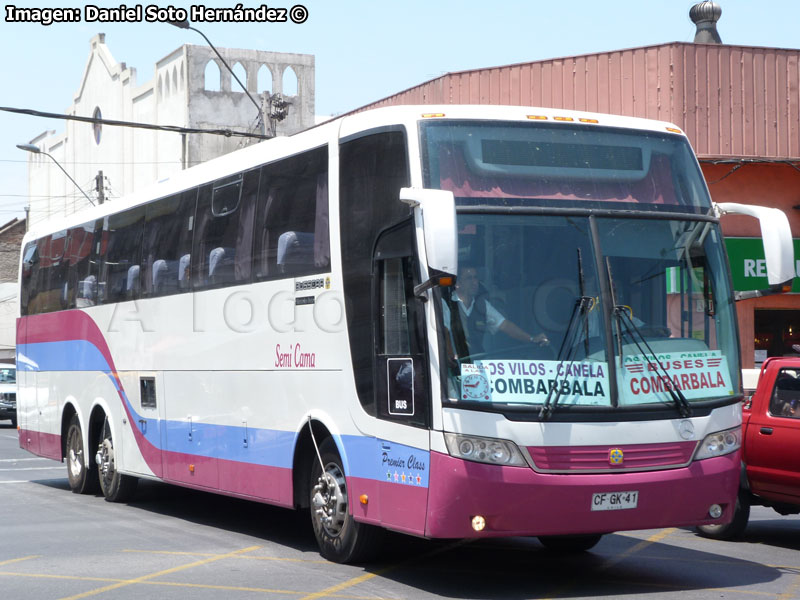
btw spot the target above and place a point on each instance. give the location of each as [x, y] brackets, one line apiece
[394, 313]
[44, 272]
[122, 257]
[292, 236]
[224, 234]
[33, 271]
[82, 278]
[30, 270]
[372, 170]
[168, 244]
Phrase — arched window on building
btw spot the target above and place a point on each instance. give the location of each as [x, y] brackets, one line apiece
[290, 84]
[240, 72]
[212, 77]
[264, 80]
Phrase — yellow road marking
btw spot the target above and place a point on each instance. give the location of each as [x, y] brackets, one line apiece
[67, 577]
[274, 558]
[16, 560]
[332, 591]
[653, 539]
[145, 578]
[657, 537]
[792, 591]
[679, 587]
[251, 589]
[230, 588]
[607, 564]
[346, 584]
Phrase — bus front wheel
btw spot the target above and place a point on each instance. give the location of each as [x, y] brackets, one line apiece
[729, 531]
[115, 486]
[81, 472]
[340, 538]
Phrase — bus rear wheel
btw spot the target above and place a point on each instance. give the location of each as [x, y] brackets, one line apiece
[569, 543]
[80, 471]
[115, 486]
[340, 538]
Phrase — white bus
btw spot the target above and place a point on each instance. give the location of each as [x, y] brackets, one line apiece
[288, 324]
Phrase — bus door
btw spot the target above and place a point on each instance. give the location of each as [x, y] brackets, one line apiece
[142, 437]
[401, 379]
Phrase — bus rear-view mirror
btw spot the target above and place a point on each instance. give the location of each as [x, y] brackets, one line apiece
[438, 208]
[776, 236]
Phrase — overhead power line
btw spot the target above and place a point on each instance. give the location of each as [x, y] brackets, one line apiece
[113, 122]
[105, 162]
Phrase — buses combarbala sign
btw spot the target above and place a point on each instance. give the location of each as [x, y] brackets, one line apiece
[693, 373]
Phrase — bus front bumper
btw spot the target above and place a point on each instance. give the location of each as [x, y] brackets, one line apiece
[517, 501]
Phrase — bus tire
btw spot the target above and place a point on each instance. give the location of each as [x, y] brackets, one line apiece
[570, 543]
[115, 486]
[340, 538]
[81, 470]
[729, 531]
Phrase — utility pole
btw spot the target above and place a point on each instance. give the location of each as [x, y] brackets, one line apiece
[99, 186]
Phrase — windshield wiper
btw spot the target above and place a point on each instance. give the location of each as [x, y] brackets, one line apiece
[580, 313]
[630, 328]
[577, 321]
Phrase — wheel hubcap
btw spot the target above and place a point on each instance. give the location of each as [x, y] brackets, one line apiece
[105, 459]
[329, 499]
[75, 453]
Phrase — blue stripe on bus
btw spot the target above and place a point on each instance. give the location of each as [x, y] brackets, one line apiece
[72, 355]
[267, 447]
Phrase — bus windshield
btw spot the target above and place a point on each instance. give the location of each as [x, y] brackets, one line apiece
[546, 306]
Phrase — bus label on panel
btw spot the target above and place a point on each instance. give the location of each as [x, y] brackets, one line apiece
[400, 386]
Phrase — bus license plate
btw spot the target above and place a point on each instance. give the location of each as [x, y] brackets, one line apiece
[615, 500]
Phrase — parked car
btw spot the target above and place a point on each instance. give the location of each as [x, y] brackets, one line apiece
[8, 392]
[770, 447]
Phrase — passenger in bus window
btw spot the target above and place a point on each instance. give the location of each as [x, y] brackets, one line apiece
[478, 316]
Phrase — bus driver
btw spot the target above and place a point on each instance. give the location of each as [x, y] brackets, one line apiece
[478, 316]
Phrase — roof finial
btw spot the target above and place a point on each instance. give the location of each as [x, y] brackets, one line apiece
[705, 15]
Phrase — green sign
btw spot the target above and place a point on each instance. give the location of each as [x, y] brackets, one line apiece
[748, 266]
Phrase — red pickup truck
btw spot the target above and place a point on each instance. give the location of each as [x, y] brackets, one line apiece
[770, 449]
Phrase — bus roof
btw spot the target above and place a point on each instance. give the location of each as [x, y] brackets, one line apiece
[339, 128]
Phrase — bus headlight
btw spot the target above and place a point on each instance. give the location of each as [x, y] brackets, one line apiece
[484, 450]
[720, 443]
